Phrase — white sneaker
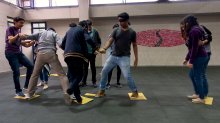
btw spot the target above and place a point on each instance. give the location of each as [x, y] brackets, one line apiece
[27, 96]
[198, 100]
[194, 96]
[72, 96]
[45, 87]
[40, 84]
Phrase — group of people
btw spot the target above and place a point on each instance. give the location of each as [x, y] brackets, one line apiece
[82, 43]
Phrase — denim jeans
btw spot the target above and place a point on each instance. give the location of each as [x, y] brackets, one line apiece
[124, 63]
[118, 75]
[15, 59]
[44, 75]
[198, 77]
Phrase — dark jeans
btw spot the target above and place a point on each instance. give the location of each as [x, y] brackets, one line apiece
[15, 59]
[44, 75]
[75, 74]
[118, 75]
[91, 58]
[198, 77]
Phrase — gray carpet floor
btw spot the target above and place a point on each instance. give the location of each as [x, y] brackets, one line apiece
[165, 88]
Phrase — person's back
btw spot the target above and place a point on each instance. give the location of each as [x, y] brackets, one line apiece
[74, 42]
[48, 40]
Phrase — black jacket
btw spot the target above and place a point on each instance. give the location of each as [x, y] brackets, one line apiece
[74, 43]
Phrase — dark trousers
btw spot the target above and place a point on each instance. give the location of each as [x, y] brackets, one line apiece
[15, 59]
[91, 58]
[118, 75]
[75, 74]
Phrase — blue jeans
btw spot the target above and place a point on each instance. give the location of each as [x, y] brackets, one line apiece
[124, 63]
[44, 75]
[15, 59]
[198, 77]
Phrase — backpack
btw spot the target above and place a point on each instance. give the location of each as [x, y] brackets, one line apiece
[207, 33]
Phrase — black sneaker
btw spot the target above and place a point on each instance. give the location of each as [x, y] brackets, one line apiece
[82, 84]
[108, 86]
[94, 85]
[118, 85]
[20, 94]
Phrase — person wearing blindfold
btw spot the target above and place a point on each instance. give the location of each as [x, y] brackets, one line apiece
[122, 37]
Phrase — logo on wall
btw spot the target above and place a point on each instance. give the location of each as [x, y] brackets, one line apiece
[160, 38]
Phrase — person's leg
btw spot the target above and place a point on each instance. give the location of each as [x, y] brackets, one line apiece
[85, 74]
[118, 76]
[93, 67]
[124, 64]
[109, 65]
[109, 76]
[40, 61]
[45, 78]
[14, 64]
[24, 61]
[75, 66]
[198, 67]
[42, 79]
[45, 75]
[205, 82]
[192, 77]
[56, 65]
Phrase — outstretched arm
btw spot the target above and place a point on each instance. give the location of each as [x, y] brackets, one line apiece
[106, 46]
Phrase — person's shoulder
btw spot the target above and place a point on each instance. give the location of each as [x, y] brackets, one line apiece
[10, 28]
[132, 31]
[196, 29]
[94, 29]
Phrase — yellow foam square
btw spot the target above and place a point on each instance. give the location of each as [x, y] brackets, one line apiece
[208, 100]
[85, 100]
[24, 98]
[90, 94]
[20, 97]
[140, 97]
[54, 75]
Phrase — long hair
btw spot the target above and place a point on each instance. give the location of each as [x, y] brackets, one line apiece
[189, 21]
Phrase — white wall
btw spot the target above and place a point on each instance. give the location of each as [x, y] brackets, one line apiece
[163, 56]
[6, 10]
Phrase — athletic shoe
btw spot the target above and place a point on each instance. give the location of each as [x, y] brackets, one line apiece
[20, 94]
[101, 93]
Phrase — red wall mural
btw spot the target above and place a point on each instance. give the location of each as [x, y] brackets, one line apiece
[159, 38]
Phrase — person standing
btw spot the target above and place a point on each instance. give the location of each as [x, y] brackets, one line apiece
[45, 72]
[93, 33]
[75, 54]
[46, 54]
[195, 58]
[123, 37]
[109, 52]
[15, 56]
